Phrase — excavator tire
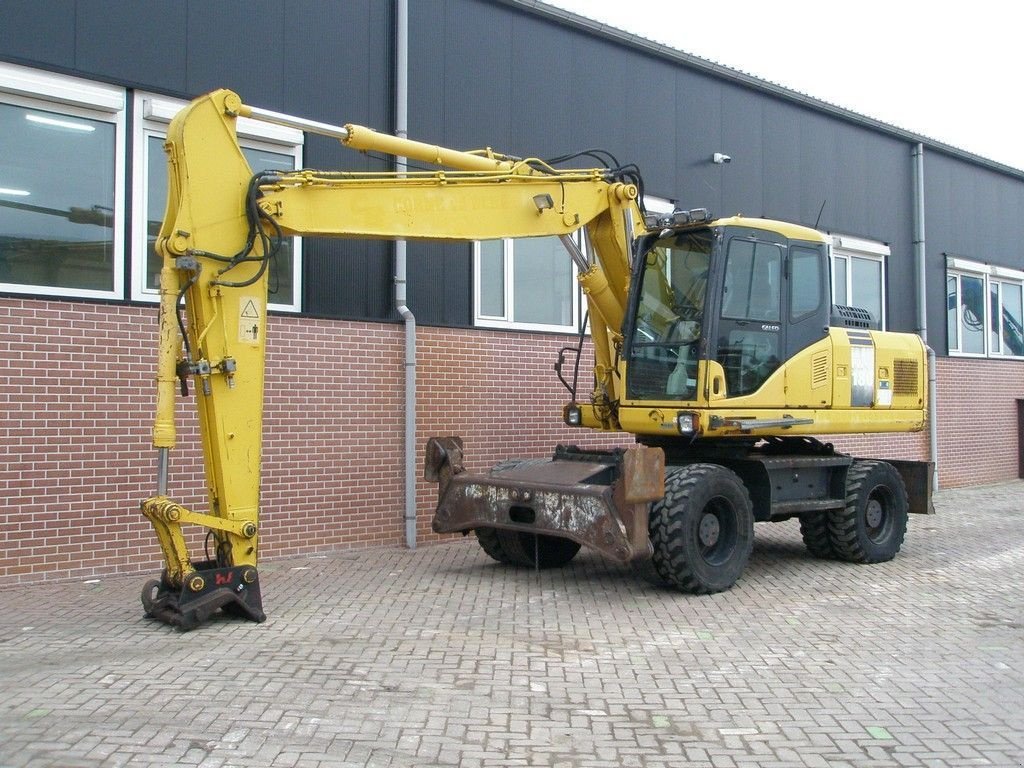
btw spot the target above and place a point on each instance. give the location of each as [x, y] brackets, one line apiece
[702, 530]
[814, 531]
[489, 542]
[535, 550]
[647, 570]
[871, 528]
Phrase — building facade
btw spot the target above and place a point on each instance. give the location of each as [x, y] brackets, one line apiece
[924, 235]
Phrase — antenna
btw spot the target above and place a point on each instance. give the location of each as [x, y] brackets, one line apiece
[820, 211]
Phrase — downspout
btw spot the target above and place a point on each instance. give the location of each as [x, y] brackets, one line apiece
[922, 311]
[402, 131]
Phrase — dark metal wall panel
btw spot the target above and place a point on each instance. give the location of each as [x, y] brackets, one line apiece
[349, 279]
[39, 31]
[144, 44]
[698, 111]
[741, 134]
[973, 213]
[243, 51]
[440, 290]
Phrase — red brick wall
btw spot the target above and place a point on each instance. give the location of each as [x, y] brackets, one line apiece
[76, 399]
[978, 426]
[76, 395]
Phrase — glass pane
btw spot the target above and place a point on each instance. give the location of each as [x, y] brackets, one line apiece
[492, 278]
[805, 285]
[282, 289]
[156, 202]
[667, 327]
[544, 286]
[952, 336]
[56, 200]
[866, 286]
[994, 347]
[752, 281]
[972, 314]
[1013, 319]
[839, 289]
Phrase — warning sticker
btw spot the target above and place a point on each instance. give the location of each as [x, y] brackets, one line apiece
[250, 319]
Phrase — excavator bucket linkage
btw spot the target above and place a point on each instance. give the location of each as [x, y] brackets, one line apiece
[235, 590]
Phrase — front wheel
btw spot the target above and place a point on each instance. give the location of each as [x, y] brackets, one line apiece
[536, 550]
[872, 525]
[702, 530]
[490, 543]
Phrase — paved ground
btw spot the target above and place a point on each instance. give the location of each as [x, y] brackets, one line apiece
[439, 657]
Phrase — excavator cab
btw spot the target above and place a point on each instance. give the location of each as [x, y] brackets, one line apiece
[741, 295]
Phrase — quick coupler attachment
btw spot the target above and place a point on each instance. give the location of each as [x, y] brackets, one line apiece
[204, 591]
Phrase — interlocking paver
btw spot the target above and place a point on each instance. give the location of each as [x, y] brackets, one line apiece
[440, 657]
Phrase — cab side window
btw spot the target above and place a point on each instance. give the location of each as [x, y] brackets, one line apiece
[806, 283]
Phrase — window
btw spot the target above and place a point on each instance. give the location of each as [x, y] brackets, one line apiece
[753, 281]
[806, 283]
[265, 147]
[61, 194]
[858, 274]
[526, 283]
[984, 309]
[530, 282]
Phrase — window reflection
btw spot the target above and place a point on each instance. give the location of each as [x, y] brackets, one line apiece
[56, 200]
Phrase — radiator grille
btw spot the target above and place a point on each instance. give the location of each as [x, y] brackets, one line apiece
[819, 370]
[905, 375]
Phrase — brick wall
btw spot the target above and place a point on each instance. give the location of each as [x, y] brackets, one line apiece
[76, 399]
[978, 425]
[76, 396]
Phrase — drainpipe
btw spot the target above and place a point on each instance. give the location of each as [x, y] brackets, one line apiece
[402, 131]
[922, 311]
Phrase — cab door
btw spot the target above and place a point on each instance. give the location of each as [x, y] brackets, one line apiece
[773, 303]
[750, 338]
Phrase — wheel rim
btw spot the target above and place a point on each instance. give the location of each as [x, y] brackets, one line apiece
[877, 514]
[717, 532]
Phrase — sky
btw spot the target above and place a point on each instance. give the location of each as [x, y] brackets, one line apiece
[949, 72]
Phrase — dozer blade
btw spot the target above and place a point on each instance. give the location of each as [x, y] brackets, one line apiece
[599, 499]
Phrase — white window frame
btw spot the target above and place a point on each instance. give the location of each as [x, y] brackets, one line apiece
[507, 320]
[579, 306]
[26, 87]
[848, 248]
[151, 116]
[990, 275]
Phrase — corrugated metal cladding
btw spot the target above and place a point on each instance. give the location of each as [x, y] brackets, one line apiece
[494, 73]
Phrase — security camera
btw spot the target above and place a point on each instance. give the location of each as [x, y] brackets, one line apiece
[719, 158]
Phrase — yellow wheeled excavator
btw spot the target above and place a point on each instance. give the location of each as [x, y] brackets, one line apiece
[715, 343]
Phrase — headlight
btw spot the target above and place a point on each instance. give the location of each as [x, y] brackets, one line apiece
[573, 415]
[687, 422]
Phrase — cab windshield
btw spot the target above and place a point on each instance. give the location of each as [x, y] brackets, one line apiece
[669, 315]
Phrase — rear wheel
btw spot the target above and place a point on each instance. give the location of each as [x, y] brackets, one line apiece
[872, 526]
[814, 531]
[535, 550]
[702, 530]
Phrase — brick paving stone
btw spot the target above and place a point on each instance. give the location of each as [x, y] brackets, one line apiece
[439, 657]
